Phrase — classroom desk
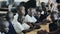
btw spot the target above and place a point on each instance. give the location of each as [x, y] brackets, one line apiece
[43, 27]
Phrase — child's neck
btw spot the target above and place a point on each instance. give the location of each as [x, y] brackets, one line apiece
[11, 19]
[30, 15]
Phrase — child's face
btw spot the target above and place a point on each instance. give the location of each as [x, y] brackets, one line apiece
[10, 15]
[31, 11]
[38, 14]
[22, 10]
[6, 26]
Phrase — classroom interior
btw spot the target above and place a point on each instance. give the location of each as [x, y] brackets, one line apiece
[47, 25]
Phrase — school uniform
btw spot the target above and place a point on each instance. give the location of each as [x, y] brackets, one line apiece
[30, 19]
[53, 26]
[18, 26]
[2, 33]
[43, 16]
[38, 19]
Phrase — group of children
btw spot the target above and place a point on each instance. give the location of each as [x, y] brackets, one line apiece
[15, 23]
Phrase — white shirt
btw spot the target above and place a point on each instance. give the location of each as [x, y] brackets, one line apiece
[17, 26]
[56, 16]
[2, 33]
[42, 12]
[30, 19]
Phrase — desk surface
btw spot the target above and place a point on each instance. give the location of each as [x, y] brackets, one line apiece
[43, 27]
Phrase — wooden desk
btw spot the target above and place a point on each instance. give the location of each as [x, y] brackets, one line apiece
[43, 27]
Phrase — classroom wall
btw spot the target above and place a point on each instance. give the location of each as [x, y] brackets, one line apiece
[39, 1]
[27, 0]
[21, 0]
